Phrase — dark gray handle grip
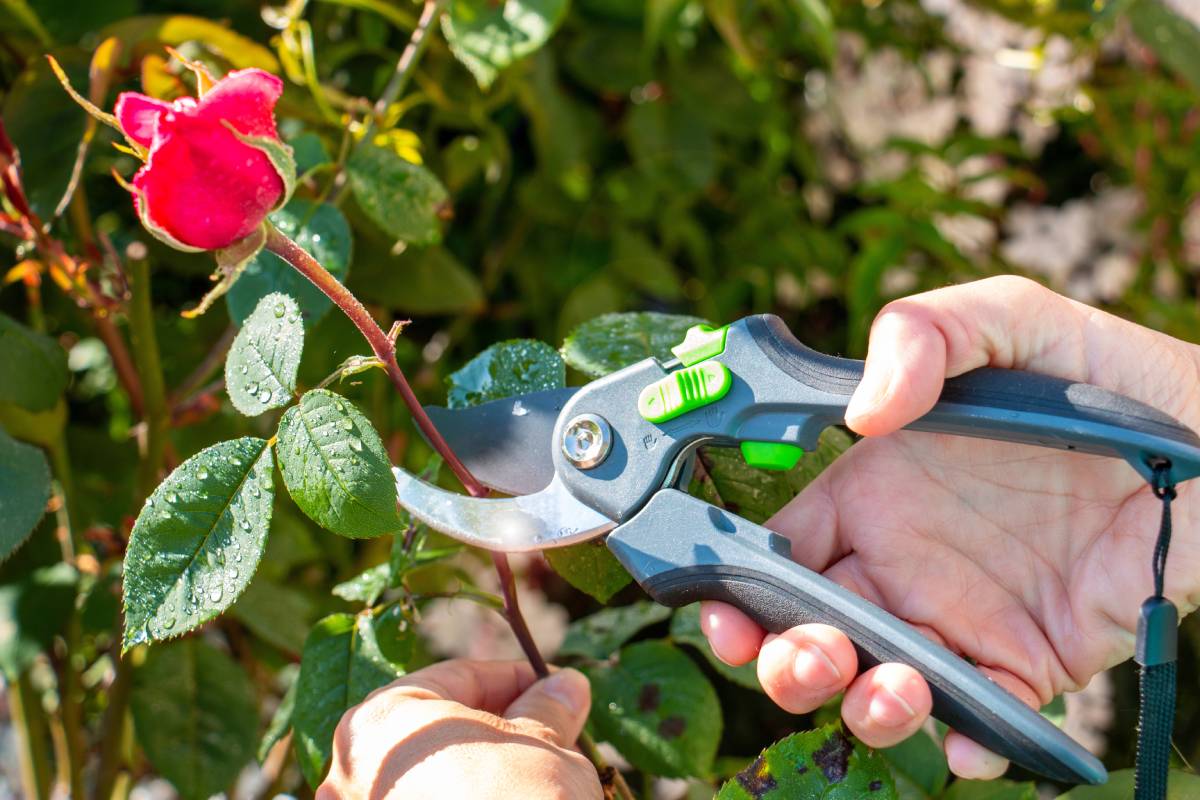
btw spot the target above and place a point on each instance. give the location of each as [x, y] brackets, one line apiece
[681, 550]
[1010, 405]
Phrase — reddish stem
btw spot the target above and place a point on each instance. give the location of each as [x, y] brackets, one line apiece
[385, 350]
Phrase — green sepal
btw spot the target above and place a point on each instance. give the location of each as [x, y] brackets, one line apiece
[231, 263]
[279, 154]
[96, 113]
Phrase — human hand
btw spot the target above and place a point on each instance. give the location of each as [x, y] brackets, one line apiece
[1032, 562]
[480, 729]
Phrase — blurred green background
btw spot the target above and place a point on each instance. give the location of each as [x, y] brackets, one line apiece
[703, 157]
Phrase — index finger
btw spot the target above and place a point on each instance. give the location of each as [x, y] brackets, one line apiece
[486, 685]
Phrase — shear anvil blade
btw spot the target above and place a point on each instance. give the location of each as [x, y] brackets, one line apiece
[506, 443]
[549, 518]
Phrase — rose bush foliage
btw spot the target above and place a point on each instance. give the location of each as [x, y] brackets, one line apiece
[220, 567]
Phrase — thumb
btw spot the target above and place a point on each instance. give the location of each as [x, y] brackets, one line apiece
[560, 703]
[919, 341]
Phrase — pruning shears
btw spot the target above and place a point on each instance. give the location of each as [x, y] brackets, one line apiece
[604, 460]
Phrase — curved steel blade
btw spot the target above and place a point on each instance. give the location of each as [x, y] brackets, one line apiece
[549, 518]
[506, 443]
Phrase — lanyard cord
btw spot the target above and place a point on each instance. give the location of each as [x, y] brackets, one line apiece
[1156, 652]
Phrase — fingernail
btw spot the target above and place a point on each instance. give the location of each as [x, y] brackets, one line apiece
[814, 669]
[889, 709]
[871, 390]
[570, 688]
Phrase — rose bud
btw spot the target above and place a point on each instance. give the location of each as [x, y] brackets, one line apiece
[215, 166]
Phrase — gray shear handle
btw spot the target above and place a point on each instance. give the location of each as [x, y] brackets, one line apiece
[681, 549]
[1005, 404]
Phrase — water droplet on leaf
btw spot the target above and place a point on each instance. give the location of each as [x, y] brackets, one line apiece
[171, 497]
[280, 310]
[201, 473]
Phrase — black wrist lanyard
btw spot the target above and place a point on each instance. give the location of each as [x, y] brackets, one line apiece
[1157, 646]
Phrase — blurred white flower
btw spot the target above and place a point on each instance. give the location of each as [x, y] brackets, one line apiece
[1188, 9]
[1087, 247]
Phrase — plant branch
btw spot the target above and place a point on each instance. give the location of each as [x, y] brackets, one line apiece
[29, 720]
[149, 366]
[408, 59]
[383, 347]
[512, 613]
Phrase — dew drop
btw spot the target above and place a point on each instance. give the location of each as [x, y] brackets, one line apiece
[297, 450]
[233, 573]
[245, 524]
[347, 425]
[245, 369]
[254, 490]
[356, 445]
[149, 502]
[171, 497]
[340, 406]
[215, 593]
[280, 310]
[169, 623]
[354, 460]
[264, 396]
[237, 462]
[201, 473]
[252, 388]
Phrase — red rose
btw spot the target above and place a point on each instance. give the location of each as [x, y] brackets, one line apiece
[210, 177]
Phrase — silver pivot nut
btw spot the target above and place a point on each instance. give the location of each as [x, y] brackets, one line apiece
[586, 440]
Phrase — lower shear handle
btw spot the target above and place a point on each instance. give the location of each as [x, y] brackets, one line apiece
[681, 550]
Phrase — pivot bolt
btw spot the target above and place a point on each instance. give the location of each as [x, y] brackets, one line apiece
[586, 440]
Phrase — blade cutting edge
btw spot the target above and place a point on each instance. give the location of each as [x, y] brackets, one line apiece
[549, 518]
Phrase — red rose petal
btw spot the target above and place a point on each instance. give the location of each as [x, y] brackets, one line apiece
[137, 113]
[204, 186]
[246, 98]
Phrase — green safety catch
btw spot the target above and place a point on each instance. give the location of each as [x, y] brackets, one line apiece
[700, 342]
[683, 391]
[771, 455]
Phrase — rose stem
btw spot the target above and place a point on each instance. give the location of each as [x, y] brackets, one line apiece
[385, 350]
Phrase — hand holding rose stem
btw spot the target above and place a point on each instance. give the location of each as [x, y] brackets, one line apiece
[214, 168]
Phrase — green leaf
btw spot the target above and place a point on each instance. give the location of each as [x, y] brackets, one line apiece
[423, 281]
[818, 22]
[1180, 786]
[612, 341]
[309, 151]
[598, 635]
[24, 491]
[1055, 710]
[921, 761]
[756, 494]
[35, 605]
[505, 369]
[195, 714]
[143, 34]
[198, 540]
[335, 467]
[367, 586]
[1172, 36]
[260, 371]
[657, 708]
[685, 629]
[997, 790]
[405, 200]
[672, 144]
[637, 261]
[33, 368]
[341, 665]
[487, 36]
[280, 724]
[821, 763]
[45, 125]
[322, 232]
[279, 615]
[590, 567]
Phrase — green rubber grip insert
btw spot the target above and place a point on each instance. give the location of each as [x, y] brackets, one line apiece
[699, 343]
[771, 455]
[683, 391]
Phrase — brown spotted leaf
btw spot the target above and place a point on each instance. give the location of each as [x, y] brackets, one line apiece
[657, 708]
[822, 763]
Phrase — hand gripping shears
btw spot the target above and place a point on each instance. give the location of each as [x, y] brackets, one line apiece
[603, 459]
